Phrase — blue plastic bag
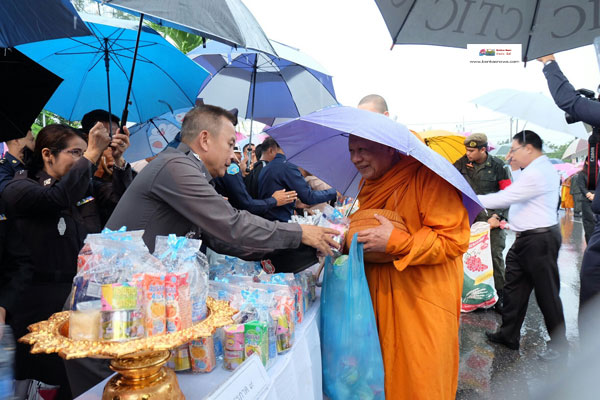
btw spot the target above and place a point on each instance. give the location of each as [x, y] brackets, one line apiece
[352, 362]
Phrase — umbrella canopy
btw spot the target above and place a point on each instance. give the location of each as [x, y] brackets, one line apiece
[165, 78]
[261, 86]
[318, 142]
[449, 145]
[567, 169]
[540, 26]
[25, 21]
[577, 148]
[32, 87]
[533, 107]
[226, 21]
[153, 136]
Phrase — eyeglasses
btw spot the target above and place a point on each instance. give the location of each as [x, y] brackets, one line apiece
[78, 153]
[512, 151]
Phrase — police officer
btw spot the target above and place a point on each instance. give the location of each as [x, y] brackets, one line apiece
[487, 174]
[12, 162]
[232, 186]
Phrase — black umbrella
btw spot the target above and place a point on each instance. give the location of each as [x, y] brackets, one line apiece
[540, 26]
[26, 21]
[31, 86]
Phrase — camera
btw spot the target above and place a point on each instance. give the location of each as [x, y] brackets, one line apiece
[593, 140]
[587, 94]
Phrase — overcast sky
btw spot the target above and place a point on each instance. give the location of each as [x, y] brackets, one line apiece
[425, 86]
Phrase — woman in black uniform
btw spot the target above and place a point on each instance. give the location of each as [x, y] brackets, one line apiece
[52, 206]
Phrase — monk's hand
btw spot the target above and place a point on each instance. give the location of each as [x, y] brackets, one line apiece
[376, 239]
[320, 238]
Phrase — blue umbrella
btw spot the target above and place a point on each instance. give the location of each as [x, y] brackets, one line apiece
[261, 86]
[318, 142]
[25, 21]
[153, 136]
[97, 68]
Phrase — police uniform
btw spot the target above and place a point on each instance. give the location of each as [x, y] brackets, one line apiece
[9, 166]
[49, 221]
[232, 186]
[489, 177]
[281, 174]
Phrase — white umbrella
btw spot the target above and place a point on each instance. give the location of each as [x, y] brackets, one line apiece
[533, 107]
[577, 148]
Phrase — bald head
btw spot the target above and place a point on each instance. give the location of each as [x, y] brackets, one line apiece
[374, 103]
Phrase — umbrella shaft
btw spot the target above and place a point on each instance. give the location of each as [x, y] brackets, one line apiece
[107, 65]
[252, 108]
[137, 45]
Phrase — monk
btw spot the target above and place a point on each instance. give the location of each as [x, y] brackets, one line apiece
[415, 230]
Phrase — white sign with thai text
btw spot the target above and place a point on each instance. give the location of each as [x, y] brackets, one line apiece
[249, 382]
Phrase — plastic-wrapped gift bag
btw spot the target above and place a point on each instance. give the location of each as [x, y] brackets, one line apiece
[352, 362]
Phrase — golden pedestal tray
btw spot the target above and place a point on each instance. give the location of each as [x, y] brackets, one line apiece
[139, 363]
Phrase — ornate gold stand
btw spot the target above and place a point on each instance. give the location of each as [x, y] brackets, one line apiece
[139, 363]
[143, 377]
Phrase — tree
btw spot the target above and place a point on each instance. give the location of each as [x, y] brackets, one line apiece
[184, 41]
[557, 150]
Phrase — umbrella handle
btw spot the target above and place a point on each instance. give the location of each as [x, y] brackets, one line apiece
[137, 45]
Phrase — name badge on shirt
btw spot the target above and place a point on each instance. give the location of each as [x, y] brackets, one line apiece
[84, 201]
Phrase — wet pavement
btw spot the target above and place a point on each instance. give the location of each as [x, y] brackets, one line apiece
[491, 371]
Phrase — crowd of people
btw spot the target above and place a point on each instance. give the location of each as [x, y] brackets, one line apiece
[70, 182]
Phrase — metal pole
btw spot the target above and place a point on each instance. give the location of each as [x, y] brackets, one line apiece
[137, 45]
[253, 83]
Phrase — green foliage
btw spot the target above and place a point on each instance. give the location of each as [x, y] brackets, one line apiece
[184, 41]
[52, 118]
[557, 150]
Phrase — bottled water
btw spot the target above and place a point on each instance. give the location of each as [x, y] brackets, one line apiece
[7, 354]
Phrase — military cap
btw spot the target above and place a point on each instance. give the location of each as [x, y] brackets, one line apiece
[476, 140]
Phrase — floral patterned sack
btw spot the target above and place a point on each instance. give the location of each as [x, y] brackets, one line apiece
[478, 285]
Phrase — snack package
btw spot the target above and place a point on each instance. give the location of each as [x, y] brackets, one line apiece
[283, 333]
[119, 296]
[154, 305]
[256, 340]
[177, 302]
[202, 354]
[85, 322]
[234, 337]
[233, 359]
[187, 291]
[180, 359]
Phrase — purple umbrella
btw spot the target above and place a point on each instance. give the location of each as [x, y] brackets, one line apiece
[318, 142]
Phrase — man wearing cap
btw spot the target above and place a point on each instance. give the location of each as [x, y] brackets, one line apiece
[487, 174]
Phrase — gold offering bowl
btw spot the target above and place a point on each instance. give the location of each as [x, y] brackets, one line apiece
[139, 363]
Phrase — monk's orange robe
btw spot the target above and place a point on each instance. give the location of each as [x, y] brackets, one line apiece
[417, 293]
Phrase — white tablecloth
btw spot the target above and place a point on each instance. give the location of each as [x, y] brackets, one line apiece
[294, 375]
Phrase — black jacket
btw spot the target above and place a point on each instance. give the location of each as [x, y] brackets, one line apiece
[48, 221]
[568, 100]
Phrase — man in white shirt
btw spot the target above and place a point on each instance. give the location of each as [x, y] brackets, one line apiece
[531, 262]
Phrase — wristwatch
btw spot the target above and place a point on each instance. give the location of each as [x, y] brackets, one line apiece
[548, 62]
